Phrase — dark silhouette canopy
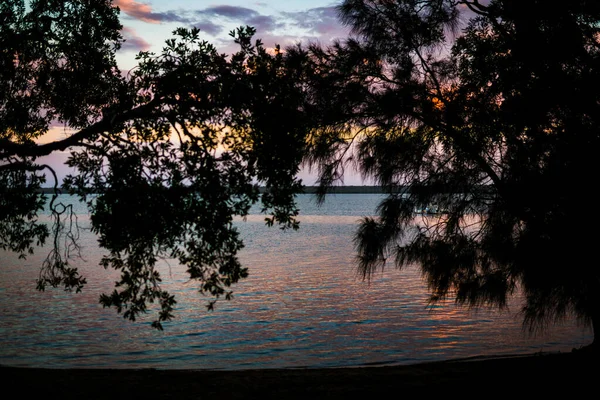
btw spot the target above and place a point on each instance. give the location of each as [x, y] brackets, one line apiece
[487, 111]
[166, 155]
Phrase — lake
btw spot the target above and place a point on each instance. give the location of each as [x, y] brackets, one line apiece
[303, 305]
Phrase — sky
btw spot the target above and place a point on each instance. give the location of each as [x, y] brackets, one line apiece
[148, 23]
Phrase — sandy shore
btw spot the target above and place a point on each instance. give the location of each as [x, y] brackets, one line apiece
[571, 374]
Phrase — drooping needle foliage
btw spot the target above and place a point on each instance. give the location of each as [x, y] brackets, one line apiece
[486, 112]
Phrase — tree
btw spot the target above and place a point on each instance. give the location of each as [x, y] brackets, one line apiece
[166, 155]
[487, 110]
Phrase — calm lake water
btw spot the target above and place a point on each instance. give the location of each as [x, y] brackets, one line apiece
[302, 306]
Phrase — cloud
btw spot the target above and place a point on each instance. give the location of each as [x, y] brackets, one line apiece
[240, 15]
[312, 23]
[144, 12]
[320, 20]
[133, 42]
[232, 12]
[209, 27]
[265, 23]
[318, 24]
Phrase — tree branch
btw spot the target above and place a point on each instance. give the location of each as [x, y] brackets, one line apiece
[10, 148]
[476, 7]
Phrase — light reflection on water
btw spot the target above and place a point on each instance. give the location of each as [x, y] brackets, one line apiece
[302, 306]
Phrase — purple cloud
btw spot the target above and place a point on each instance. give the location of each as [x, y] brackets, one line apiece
[320, 20]
[242, 15]
[133, 42]
[232, 12]
[209, 27]
[285, 28]
[264, 22]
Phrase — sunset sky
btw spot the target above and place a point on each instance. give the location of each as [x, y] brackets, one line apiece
[148, 23]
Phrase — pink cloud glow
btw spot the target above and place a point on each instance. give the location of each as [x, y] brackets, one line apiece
[133, 41]
[137, 10]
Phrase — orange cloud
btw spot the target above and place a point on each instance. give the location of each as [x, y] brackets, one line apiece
[137, 10]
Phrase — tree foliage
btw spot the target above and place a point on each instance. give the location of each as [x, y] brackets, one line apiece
[166, 155]
[487, 110]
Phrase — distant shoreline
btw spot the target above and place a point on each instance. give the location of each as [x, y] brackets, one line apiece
[350, 189]
[306, 190]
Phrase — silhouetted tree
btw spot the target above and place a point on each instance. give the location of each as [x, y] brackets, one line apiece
[165, 155]
[488, 111]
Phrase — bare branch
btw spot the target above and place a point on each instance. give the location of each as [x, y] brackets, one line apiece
[106, 124]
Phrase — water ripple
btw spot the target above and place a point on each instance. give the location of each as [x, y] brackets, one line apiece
[302, 306]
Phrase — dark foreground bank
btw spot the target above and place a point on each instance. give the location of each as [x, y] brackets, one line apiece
[570, 374]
